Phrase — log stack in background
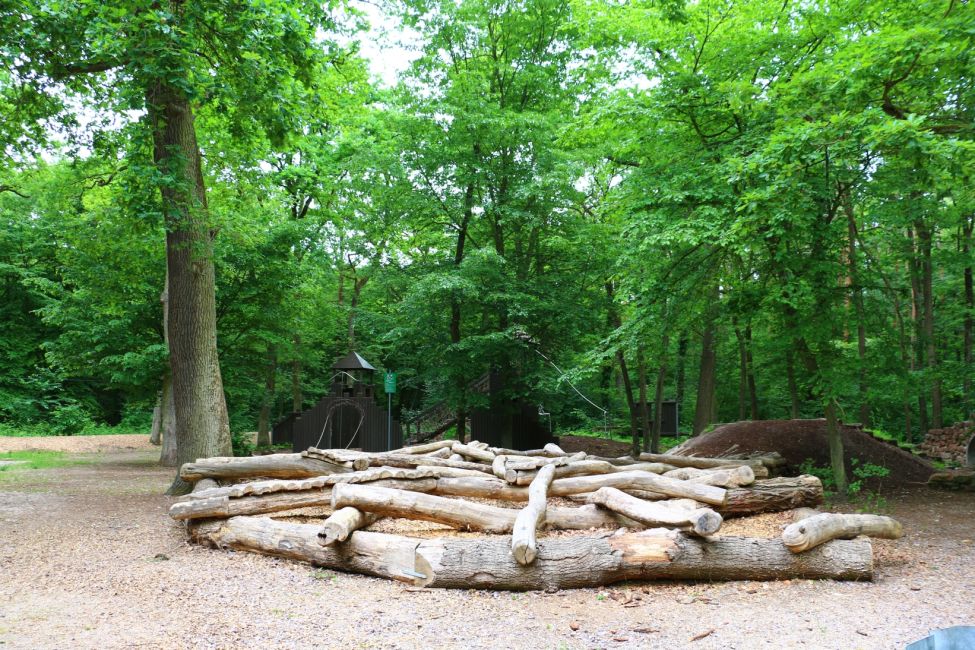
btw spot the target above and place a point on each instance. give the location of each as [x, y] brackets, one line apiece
[654, 517]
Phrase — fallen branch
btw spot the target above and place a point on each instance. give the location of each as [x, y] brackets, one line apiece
[271, 466]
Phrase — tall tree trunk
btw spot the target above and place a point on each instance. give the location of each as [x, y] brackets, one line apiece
[969, 320]
[856, 290]
[167, 405]
[836, 454]
[750, 365]
[705, 407]
[630, 401]
[297, 399]
[202, 426]
[155, 433]
[455, 312]
[658, 396]
[917, 331]
[167, 455]
[644, 410]
[264, 417]
[742, 372]
[680, 373]
[790, 370]
[927, 272]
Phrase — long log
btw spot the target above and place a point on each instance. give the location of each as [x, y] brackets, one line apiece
[465, 515]
[226, 506]
[726, 478]
[270, 466]
[474, 453]
[757, 464]
[562, 562]
[424, 448]
[823, 527]
[700, 521]
[587, 467]
[342, 523]
[773, 495]
[413, 460]
[530, 517]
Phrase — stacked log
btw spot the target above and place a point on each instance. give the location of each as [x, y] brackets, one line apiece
[680, 501]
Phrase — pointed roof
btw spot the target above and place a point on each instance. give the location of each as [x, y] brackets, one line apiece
[352, 361]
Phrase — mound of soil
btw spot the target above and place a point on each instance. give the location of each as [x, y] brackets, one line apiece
[798, 440]
[595, 446]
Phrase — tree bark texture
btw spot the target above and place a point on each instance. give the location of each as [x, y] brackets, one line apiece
[562, 562]
[202, 427]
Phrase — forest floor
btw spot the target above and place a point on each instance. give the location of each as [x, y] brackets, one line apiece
[89, 558]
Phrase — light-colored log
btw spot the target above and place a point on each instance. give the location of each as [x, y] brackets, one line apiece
[553, 449]
[315, 482]
[464, 515]
[532, 516]
[804, 513]
[413, 460]
[454, 456]
[819, 529]
[707, 463]
[203, 485]
[225, 506]
[474, 453]
[270, 466]
[700, 521]
[425, 448]
[342, 523]
[562, 562]
[443, 452]
[726, 478]
[519, 476]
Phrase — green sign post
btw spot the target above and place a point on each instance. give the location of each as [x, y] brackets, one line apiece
[389, 383]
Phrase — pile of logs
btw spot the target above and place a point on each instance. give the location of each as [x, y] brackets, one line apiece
[654, 517]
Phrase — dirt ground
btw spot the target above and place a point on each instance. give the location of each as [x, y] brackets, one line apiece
[89, 558]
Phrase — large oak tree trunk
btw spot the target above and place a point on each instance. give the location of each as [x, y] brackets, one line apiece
[202, 427]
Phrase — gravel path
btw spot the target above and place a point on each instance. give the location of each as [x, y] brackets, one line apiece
[89, 558]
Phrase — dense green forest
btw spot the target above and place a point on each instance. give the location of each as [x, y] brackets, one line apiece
[761, 209]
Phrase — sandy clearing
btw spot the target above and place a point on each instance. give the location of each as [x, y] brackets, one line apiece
[79, 547]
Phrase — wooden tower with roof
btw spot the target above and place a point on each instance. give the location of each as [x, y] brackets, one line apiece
[348, 417]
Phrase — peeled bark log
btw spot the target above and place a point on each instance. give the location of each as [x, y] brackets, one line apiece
[700, 521]
[726, 478]
[443, 452]
[475, 454]
[701, 463]
[465, 515]
[554, 450]
[819, 529]
[412, 460]
[271, 466]
[562, 562]
[225, 506]
[342, 523]
[584, 468]
[531, 517]
[424, 448]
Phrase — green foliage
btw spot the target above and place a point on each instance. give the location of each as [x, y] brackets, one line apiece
[242, 443]
[869, 500]
[36, 460]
